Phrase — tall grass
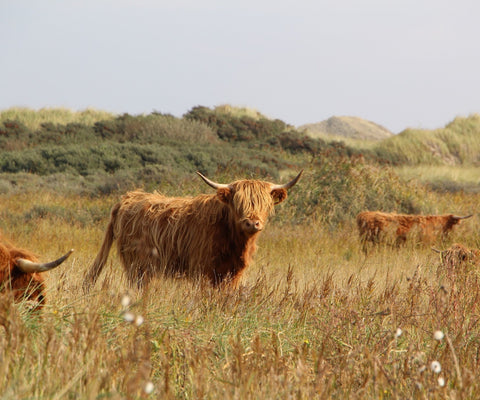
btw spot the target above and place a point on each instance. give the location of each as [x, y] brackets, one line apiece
[33, 119]
[313, 319]
[456, 144]
[239, 112]
[443, 178]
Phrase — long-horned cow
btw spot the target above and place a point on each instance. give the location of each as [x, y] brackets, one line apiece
[210, 235]
[21, 273]
[376, 227]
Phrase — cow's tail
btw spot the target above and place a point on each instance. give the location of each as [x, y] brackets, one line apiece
[101, 259]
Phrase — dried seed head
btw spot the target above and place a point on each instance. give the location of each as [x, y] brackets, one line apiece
[139, 320]
[148, 388]
[129, 317]
[438, 335]
[125, 301]
[436, 367]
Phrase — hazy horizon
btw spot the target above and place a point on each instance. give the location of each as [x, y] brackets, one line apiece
[399, 64]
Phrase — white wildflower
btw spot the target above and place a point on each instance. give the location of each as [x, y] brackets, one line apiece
[441, 381]
[125, 301]
[139, 320]
[436, 367]
[148, 388]
[398, 332]
[438, 335]
[129, 317]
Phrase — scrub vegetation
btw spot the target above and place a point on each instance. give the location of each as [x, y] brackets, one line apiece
[314, 317]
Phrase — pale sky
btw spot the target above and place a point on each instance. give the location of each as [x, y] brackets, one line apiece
[399, 63]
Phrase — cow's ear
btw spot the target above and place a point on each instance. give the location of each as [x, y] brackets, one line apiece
[224, 195]
[279, 195]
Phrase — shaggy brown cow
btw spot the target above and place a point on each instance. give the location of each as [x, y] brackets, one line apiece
[375, 227]
[210, 235]
[21, 273]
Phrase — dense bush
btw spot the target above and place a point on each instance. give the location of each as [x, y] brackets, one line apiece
[236, 129]
[261, 132]
[335, 189]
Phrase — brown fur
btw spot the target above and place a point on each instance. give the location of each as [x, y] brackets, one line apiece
[22, 285]
[204, 236]
[376, 227]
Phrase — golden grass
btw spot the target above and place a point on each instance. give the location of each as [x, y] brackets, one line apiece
[239, 112]
[32, 119]
[315, 318]
[455, 144]
[462, 177]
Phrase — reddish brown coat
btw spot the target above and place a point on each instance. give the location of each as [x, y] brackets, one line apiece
[210, 235]
[13, 276]
[375, 227]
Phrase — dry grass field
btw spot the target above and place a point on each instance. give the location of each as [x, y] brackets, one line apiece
[314, 318]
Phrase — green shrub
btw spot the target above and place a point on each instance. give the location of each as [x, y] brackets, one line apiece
[334, 190]
[154, 128]
[230, 127]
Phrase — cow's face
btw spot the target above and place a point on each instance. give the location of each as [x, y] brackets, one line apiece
[451, 220]
[23, 285]
[27, 286]
[251, 203]
[21, 273]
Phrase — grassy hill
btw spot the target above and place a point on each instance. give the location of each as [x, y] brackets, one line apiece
[33, 119]
[158, 151]
[348, 128]
[96, 153]
[458, 143]
[446, 159]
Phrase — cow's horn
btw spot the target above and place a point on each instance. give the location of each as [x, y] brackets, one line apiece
[468, 216]
[288, 185]
[28, 266]
[213, 184]
[436, 250]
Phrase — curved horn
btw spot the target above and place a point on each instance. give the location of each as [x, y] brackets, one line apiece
[468, 216]
[288, 185]
[28, 266]
[213, 184]
[436, 250]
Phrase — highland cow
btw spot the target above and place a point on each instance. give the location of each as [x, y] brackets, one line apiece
[378, 227]
[22, 274]
[210, 236]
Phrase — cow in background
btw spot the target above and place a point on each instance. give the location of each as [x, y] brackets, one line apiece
[209, 236]
[378, 227]
[22, 274]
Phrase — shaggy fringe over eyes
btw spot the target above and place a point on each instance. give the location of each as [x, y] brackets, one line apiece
[252, 198]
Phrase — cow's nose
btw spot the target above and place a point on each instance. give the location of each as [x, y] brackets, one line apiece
[252, 225]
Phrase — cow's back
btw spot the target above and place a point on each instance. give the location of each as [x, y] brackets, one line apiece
[171, 235]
